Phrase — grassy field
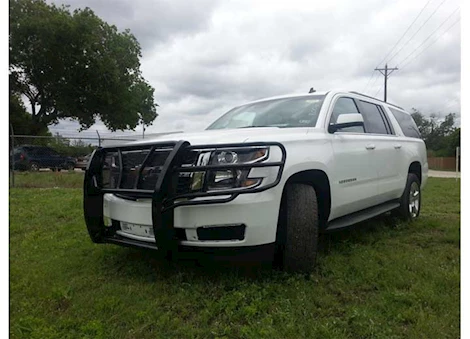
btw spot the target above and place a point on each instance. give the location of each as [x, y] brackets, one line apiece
[382, 279]
[45, 179]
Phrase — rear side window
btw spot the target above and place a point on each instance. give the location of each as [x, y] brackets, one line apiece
[373, 119]
[407, 124]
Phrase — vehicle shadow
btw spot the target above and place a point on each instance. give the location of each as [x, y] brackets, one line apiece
[148, 265]
[360, 233]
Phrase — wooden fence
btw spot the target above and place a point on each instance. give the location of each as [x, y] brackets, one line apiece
[442, 163]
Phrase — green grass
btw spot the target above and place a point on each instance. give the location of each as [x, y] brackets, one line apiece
[45, 179]
[383, 279]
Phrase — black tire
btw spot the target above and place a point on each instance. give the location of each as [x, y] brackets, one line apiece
[69, 166]
[297, 238]
[34, 166]
[408, 211]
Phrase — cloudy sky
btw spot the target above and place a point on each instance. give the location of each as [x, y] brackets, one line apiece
[204, 57]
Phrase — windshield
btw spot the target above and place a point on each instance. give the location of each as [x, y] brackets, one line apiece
[287, 112]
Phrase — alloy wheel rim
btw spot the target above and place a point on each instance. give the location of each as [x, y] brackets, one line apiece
[414, 200]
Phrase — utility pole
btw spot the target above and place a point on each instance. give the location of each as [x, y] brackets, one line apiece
[386, 73]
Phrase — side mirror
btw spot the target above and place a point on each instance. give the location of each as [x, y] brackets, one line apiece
[347, 120]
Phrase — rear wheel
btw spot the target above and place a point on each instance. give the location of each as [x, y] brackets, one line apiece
[297, 238]
[33, 166]
[410, 201]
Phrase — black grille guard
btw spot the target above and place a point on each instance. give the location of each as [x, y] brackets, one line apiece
[164, 196]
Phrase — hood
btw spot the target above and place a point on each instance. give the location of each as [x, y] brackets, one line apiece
[229, 136]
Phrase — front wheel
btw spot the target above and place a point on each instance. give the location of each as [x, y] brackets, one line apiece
[69, 166]
[297, 238]
[410, 201]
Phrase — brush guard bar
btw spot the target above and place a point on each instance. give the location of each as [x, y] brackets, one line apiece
[164, 196]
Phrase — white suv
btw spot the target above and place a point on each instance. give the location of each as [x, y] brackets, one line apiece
[263, 179]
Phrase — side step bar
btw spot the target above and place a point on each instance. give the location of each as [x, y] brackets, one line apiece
[363, 215]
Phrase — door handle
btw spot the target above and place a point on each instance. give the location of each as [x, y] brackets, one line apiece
[370, 146]
[397, 146]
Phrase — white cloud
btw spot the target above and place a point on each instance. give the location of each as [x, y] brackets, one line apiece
[204, 59]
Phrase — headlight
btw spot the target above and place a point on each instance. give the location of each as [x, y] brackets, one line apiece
[228, 178]
[242, 156]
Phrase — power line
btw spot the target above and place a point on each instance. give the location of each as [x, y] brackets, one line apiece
[398, 41]
[430, 35]
[406, 31]
[451, 104]
[432, 43]
[376, 78]
[368, 82]
[450, 100]
[375, 95]
[419, 29]
[425, 40]
[373, 83]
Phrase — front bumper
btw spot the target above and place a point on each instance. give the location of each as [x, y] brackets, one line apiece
[255, 212]
[169, 212]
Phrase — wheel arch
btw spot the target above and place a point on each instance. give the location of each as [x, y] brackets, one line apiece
[415, 168]
[318, 179]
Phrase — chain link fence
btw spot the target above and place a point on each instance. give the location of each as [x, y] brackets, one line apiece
[60, 160]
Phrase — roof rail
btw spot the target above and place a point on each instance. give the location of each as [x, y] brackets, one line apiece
[367, 96]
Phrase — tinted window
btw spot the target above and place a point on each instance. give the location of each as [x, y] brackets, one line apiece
[407, 124]
[345, 106]
[373, 120]
[387, 120]
[40, 151]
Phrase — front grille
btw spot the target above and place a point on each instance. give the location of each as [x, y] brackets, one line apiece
[152, 169]
[184, 183]
[133, 176]
[131, 163]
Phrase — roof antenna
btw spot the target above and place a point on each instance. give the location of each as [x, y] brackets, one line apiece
[312, 90]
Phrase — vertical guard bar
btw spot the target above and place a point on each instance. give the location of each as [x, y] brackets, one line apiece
[93, 198]
[142, 166]
[162, 221]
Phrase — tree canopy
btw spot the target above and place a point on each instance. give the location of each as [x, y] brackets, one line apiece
[441, 137]
[75, 65]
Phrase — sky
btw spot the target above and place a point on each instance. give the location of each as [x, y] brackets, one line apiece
[204, 57]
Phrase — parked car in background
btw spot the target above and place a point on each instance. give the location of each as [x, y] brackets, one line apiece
[33, 158]
[82, 162]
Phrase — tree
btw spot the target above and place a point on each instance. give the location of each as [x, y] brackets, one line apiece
[441, 137]
[423, 123]
[75, 65]
[453, 142]
[71, 148]
[21, 120]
